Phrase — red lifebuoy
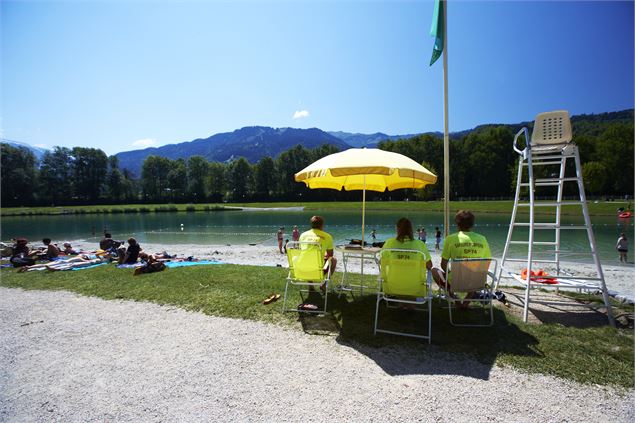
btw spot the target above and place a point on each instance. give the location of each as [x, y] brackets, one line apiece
[625, 215]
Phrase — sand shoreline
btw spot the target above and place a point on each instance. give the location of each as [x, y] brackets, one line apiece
[619, 279]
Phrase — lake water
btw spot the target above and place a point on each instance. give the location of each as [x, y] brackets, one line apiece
[245, 227]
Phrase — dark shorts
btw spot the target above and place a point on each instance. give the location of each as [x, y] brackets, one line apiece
[621, 250]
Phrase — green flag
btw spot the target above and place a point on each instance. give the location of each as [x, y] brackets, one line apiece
[437, 30]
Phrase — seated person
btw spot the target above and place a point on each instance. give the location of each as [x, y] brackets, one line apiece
[316, 234]
[132, 253]
[463, 244]
[68, 249]
[51, 252]
[22, 255]
[405, 241]
[109, 244]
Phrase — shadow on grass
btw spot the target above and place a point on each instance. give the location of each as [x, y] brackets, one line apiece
[574, 315]
[469, 352]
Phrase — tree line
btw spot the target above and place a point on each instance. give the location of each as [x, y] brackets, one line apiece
[482, 162]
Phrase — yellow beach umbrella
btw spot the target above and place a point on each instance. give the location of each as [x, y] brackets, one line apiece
[366, 169]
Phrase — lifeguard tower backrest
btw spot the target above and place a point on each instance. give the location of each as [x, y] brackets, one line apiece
[552, 128]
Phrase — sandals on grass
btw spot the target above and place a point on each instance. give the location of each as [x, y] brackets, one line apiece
[271, 298]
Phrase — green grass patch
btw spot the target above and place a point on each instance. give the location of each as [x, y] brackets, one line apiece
[598, 355]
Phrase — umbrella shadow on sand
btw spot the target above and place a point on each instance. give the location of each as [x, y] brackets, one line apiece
[469, 352]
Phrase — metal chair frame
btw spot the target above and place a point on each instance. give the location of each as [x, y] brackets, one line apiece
[427, 300]
[313, 248]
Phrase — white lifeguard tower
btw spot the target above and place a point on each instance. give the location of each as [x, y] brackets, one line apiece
[549, 147]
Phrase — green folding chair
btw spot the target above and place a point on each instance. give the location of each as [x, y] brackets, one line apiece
[307, 268]
[404, 279]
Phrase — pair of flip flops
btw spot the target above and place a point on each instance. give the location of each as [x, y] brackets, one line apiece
[307, 307]
[271, 298]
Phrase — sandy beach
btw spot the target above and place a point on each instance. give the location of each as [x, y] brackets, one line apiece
[620, 280]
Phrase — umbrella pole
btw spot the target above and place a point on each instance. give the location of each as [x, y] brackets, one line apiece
[363, 210]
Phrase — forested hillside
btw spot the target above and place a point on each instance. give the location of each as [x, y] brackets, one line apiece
[482, 163]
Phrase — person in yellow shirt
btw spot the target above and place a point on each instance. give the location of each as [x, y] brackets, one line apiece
[405, 241]
[463, 244]
[317, 234]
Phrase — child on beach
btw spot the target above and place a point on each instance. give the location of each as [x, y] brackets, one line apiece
[437, 236]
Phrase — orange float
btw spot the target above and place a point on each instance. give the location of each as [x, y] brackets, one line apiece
[539, 276]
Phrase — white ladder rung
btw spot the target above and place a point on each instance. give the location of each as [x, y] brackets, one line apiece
[518, 260]
[552, 204]
[543, 163]
[535, 242]
[550, 226]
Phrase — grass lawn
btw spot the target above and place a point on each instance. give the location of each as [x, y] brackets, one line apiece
[599, 355]
[595, 209]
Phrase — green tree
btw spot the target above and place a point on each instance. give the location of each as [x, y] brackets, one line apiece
[264, 178]
[17, 175]
[615, 151]
[89, 167]
[177, 180]
[154, 178]
[240, 179]
[56, 181]
[197, 172]
[288, 164]
[217, 181]
[595, 177]
[115, 186]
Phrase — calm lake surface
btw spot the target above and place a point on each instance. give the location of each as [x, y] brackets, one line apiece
[245, 227]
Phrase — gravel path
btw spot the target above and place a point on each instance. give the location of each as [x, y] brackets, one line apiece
[69, 358]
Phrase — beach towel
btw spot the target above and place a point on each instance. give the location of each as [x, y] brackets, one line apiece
[88, 267]
[173, 264]
[129, 266]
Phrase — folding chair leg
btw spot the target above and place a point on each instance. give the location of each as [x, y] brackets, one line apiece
[284, 301]
[376, 315]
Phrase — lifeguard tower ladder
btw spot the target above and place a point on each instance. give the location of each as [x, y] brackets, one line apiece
[550, 146]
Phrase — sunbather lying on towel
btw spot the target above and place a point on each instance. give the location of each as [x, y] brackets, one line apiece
[82, 260]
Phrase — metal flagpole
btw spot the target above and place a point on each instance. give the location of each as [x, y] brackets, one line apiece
[446, 133]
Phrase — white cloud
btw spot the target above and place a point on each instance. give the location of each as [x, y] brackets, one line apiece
[145, 142]
[41, 145]
[299, 114]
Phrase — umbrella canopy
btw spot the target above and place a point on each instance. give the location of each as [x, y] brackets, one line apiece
[366, 169]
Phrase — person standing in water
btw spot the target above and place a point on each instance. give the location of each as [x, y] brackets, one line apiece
[280, 238]
[437, 239]
[622, 247]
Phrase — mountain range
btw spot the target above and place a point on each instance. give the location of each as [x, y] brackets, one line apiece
[256, 142]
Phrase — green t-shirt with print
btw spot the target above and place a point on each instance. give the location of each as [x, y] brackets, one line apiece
[412, 244]
[316, 235]
[465, 245]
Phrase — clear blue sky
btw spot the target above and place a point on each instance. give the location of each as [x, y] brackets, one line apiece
[119, 75]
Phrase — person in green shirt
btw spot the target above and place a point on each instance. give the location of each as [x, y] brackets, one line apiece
[463, 244]
[317, 234]
[405, 241]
